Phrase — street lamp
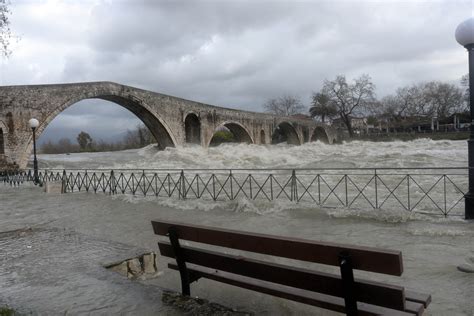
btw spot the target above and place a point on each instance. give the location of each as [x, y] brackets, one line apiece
[34, 124]
[465, 36]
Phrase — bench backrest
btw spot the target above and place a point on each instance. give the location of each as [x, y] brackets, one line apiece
[363, 258]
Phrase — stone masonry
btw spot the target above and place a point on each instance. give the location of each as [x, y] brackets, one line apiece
[173, 121]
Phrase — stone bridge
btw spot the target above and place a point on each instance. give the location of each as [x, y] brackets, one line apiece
[173, 121]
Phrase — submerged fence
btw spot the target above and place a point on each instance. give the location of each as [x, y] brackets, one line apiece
[436, 191]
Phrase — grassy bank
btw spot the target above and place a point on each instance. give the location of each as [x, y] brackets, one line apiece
[464, 135]
[6, 311]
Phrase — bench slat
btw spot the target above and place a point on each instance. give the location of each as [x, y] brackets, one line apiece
[416, 297]
[415, 308]
[363, 258]
[389, 296]
[301, 296]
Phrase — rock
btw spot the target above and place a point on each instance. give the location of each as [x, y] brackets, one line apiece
[135, 267]
[149, 264]
[121, 268]
[54, 187]
[468, 268]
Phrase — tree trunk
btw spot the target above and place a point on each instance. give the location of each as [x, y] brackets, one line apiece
[347, 121]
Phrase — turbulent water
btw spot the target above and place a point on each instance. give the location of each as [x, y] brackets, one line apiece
[331, 191]
[418, 153]
[432, 247]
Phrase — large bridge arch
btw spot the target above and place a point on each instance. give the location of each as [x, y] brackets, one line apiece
[285, 132]
[152, 121]
[240, 132]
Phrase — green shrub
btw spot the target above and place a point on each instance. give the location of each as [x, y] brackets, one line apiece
[222, 137]
[5, 311]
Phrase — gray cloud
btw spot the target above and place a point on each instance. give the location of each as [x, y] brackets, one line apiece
[235, 53]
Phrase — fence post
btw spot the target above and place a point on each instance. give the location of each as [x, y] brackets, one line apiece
[231, 186]
[143, 180]
[271, 186]
[182, 184]
[319, 189]
[445, 204]
[408, 192]
[214, 187]
[294, 193]
[169, 184]
[345, 184]
[250, 185]
[112, 182]
[64, 180]
[197, 177]
[376, 191]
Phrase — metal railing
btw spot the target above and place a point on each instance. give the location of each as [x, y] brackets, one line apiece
[435, 191]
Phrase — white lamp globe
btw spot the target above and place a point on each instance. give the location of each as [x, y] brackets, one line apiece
[33, 123]
[465, 32]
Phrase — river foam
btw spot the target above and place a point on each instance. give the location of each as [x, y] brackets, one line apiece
[357, 154]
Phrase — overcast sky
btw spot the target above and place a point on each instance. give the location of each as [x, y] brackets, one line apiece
[229, 53]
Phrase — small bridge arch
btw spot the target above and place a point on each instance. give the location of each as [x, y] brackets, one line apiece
[192, 128]
[2, 142]
[285, 132]
[240, 132]
[263, 140]
[320, 134]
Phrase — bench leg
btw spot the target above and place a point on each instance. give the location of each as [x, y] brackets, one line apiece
[347, 276]
[180, 261]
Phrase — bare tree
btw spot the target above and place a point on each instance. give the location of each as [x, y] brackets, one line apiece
[5, 32]
[349, 98]
[284, 105]
[465, 83]
[442, 99]
[407, 101]
[321, 106]
[64, 145]
[427, 99]
[139, 137]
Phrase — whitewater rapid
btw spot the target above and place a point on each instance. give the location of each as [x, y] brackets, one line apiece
[356, 154]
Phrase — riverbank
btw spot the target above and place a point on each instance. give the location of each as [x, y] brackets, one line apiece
[58, 265]
[462, 135]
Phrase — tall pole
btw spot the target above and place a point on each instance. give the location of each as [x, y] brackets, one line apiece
[35, 161]
[469, 197]
[465, 36]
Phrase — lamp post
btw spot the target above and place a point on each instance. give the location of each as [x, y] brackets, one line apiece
[465, 36]
[34, 124]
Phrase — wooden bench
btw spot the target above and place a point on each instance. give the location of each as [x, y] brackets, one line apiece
[341, 293]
